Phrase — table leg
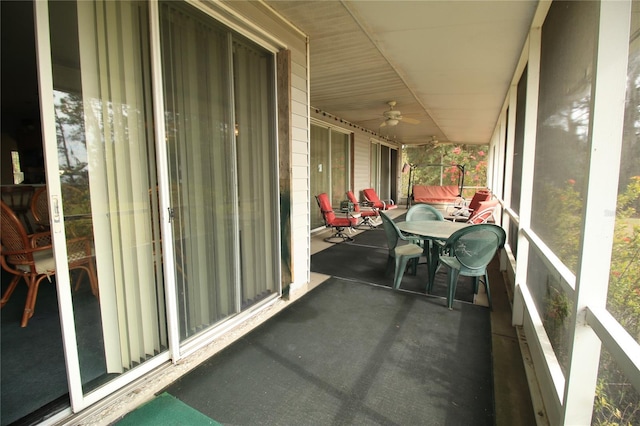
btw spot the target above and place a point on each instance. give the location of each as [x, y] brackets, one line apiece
[433, 264]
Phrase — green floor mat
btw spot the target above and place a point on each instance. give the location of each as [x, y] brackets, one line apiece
[165, 410]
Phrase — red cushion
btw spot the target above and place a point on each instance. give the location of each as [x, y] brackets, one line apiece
[354, 200]
[435, 194]
[344, 221]
[479, 196]
[484, 211]
[370, 194]
[329, 215]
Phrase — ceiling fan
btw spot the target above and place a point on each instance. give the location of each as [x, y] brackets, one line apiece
[433, 143]
[392, 116]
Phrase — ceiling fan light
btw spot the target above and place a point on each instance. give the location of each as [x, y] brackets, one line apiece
[392, 121]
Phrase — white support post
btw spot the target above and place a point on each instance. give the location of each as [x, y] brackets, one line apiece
[528, 162]
[607, 121]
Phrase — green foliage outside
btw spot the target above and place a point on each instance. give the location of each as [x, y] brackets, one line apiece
[437, 165]
[616, 401]
[70, 133]
[561, 208]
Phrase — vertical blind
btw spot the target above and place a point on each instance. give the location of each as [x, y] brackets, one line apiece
[221, 149]
[197, 81]
[253, 73]
[115, 73]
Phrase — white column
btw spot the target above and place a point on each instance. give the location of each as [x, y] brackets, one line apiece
[607, 120]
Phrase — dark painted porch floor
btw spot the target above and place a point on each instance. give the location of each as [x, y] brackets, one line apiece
[511, 398]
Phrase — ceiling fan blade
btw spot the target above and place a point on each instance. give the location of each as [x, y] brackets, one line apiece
[410, 120]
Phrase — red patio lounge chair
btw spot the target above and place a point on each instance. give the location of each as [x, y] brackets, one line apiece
[376, 202]
[462, 213]
[339, 224]
[484, 212]
[368, 215]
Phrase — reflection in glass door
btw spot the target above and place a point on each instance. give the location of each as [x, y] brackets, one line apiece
[107, 171]
[219, 96]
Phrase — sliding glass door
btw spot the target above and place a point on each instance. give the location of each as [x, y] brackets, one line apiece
[330, 168]
[194, 210]
[374, 167]
[383, 170]
[385, 173]
[340, 167]
[257, 176]
[101, 185]
[320, 171]
[219, 95]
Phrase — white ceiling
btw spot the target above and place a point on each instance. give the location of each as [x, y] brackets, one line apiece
[448, 64]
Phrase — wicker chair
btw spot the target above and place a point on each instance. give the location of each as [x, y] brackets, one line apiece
[40, 208]
[30, 257]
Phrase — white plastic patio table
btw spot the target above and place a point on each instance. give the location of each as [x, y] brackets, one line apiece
[434, 230]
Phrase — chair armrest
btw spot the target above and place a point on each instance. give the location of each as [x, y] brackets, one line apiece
[40, 239]
[80, 245]
[461, 212]
[24, 252]
[460, 207]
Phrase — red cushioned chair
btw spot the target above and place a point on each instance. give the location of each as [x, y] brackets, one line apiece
[368, 215]
[484, 212]
[462, 213]
[339, 224]
[376, 202]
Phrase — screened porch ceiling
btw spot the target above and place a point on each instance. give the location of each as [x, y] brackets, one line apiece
[447, 64]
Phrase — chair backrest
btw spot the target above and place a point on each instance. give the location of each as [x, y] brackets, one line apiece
[479, 196]
[325, 208]
[354, 200]
[392, 231]
[423, 212]
[484, 212]
[40, 206]
[370, 194]
[13, 235]
[475, 246]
